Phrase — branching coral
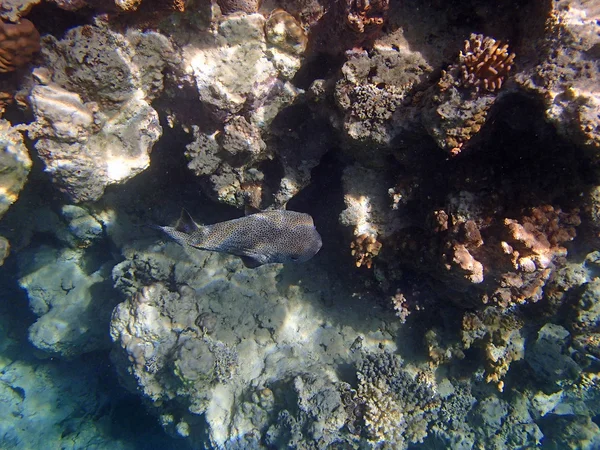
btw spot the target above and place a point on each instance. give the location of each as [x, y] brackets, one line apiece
[397, 406]
[400, 306]
[363, 15]
[533, 246]
[364, 248]
[18, 43]
[485, 62]
[458, 107]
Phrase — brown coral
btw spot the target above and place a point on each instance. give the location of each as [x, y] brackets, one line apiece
[18, 43]
[533, 246]
[364, 248]
[485, 62]
[231, 6]
[362, 15]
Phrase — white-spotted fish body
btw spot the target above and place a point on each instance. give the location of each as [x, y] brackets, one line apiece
[265, 237]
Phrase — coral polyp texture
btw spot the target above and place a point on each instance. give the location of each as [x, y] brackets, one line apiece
[19, 42]
[485, 62]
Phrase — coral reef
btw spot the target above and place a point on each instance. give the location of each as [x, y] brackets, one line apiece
[69, 291]
[458, 105]
[163, 341]
[508, 268]
[463, 174]
[94, 127]
[244, 83]
[374, 90]
[565, 74]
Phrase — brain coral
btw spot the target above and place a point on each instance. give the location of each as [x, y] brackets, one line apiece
[18, 43]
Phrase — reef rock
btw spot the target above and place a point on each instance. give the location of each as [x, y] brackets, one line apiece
[94, 125]
[567, 74]
[13, 10]
[243, 80]
[15, 163]
[73, 303]
[549, 356]
[203, 335]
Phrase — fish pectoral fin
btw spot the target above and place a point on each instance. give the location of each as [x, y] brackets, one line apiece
[186, 224]
[250, 262]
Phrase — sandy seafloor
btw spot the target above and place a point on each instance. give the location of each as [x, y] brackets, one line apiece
[448, 153]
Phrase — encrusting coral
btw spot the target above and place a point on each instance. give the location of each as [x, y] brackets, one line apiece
[19, 42]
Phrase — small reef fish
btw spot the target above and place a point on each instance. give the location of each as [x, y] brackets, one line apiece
[263, 237]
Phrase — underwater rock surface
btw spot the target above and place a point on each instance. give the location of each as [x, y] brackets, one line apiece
[448, 153]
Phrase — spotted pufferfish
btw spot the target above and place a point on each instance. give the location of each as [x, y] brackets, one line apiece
[262, 237]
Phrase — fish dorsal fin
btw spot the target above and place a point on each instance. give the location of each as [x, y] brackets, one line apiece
[186, 224]
[249, 210]
[250, 262]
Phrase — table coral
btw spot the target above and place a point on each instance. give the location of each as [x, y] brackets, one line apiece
[18, 44]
